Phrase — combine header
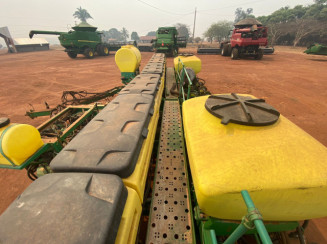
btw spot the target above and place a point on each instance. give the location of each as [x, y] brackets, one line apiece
[216, 168]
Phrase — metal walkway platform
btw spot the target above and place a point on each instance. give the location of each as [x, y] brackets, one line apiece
[170, 218]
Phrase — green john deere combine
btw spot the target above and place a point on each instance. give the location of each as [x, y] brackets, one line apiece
[316, 49]
[84, 39]
[168, 42]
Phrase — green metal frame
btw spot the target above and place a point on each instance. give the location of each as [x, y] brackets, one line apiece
[45, 148]
[180, 81]
[34, 114]
[126, 77]
[57, 144]
[211, 227]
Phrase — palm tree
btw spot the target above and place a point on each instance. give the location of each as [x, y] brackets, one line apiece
[124, 34]
[82, 14]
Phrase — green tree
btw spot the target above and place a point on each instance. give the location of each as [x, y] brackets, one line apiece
[240, 14]
[209, 34]
[321, 2]
[113, 33]
[124, 34]
[151, 33]
[135, 36]
[82, 14]
[297, 25]
[183, 30]
[197, 39]
[219, 30]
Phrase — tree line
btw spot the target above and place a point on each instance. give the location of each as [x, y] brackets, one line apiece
[301, 25]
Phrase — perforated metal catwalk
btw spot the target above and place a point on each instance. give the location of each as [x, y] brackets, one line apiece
[170, 218]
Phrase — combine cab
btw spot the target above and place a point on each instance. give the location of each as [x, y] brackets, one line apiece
[84, 39]
[167, 41]
[246, 39]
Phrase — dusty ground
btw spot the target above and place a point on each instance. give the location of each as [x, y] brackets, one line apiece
[293, 82]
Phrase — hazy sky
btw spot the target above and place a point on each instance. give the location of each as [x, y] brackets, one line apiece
[21, 16]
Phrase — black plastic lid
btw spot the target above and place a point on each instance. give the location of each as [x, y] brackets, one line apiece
[111, 142]
[66, 208]
[243, 110]
[4, 122]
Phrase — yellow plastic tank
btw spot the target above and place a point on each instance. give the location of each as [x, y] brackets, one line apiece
[129, 223]
[283, 168]
[128, 58]
[17, 143]
[189, 61]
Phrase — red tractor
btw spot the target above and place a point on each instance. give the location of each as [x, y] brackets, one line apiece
[246, 39]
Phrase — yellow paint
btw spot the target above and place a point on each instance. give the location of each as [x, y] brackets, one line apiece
[129, 223]
[19, 143]
[191, 61]
[137, 179]
[128, 58]
[86, 41]
[283, 168]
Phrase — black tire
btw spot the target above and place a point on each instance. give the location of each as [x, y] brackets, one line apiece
[99, 50]
[259, 54]
[105, 51]
[102, 50]
[89, 53]
[72, 54]
[234, 55]
[229, 49]
[224, 50]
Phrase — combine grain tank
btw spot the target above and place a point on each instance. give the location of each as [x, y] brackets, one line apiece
[84, 39]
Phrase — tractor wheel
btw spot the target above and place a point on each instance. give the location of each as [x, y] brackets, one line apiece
[235, 53]
[99, 50]
[102, 50]
[72, 54]
[259, 54]
[224, 50]
[229, 49]
[105, 51]
[89, 53]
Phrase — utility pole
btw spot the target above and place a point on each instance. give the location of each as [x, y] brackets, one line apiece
[194, 23]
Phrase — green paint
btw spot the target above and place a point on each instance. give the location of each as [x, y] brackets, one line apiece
[84, 37]
[316, 49]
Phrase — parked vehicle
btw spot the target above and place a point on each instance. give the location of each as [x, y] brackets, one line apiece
[84, 39]
[246, 39]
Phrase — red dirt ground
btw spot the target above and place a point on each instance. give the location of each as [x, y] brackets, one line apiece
[293, 82]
